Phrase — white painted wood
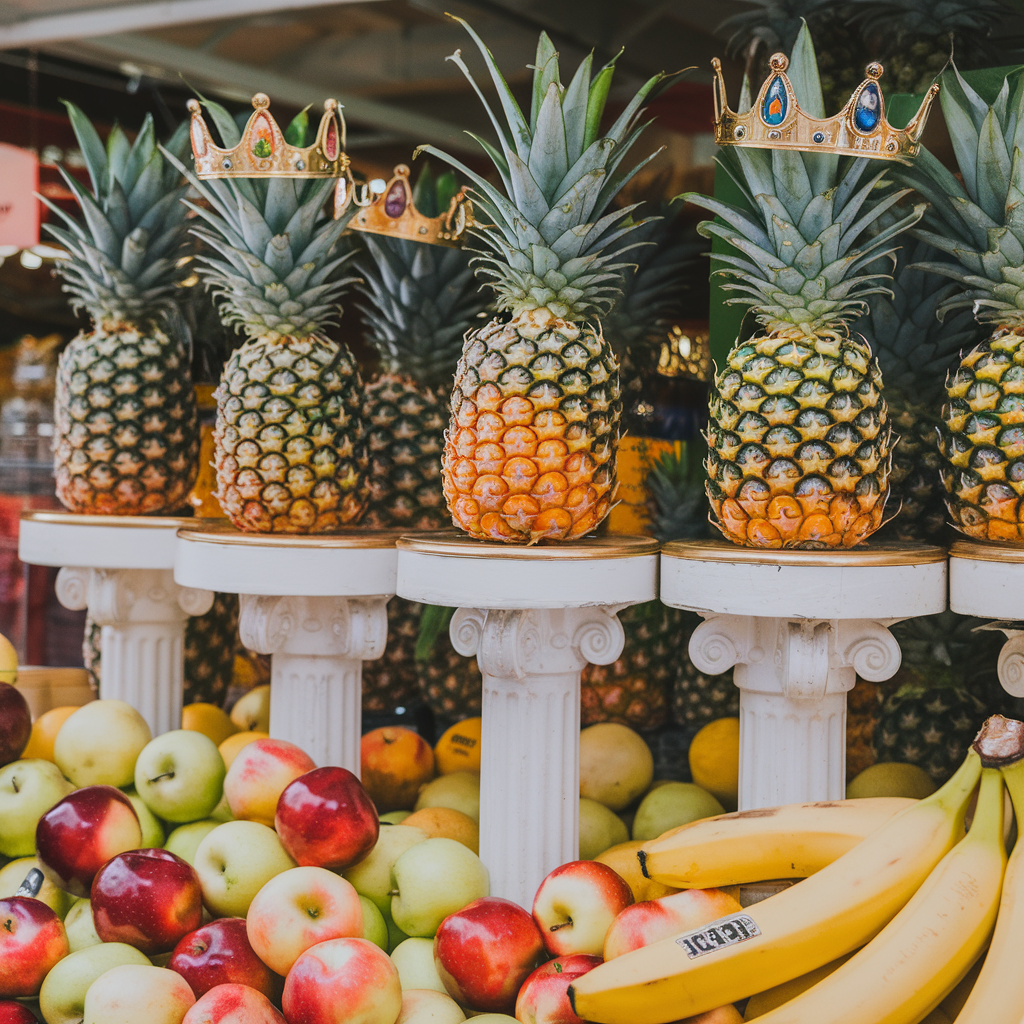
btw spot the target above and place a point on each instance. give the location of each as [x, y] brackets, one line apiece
[111, 542]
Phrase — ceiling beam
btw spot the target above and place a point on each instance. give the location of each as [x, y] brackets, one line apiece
[132, 17]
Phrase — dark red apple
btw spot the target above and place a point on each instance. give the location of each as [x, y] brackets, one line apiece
[149, 899]
[80, 833]
[485, 952]
[32, 940]
[326, 819]
[16, 1013]
[543, 999]
[15, 724]
[219, 953]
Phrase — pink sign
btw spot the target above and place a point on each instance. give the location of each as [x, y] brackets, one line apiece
[19, 208]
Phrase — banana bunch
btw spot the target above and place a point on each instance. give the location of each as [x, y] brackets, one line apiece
[889, 929]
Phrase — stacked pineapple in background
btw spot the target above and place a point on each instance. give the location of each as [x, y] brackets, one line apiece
[126, 437]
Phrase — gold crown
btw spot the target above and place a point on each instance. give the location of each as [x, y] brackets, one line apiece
[263, 151]
[775, 121]
[393, 212]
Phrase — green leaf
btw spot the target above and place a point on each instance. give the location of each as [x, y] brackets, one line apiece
[434, 620]
[93, 150]
[596, 99]
[545, 71]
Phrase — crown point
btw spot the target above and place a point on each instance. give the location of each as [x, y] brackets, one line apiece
[193, 106]
[330, 105]
[779, 62]
[402, 171]
[874, 70]
[260, 101]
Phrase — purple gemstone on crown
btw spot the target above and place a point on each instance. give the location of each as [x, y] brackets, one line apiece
[394, 203]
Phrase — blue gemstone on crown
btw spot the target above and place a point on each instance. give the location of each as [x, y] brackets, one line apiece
[869, 108]
[776, 103]
[818, 137]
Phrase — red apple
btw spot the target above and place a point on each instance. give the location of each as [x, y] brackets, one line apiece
[576, 904]
[342, 981]
[326, 819]
[80, 833]
[258, 776]
[15, 724]
[149, 899]
[652, 920]
[219, 954]
[485, 952]
[543, 998]
[32, 940]
[233, 1004]
[16, 1013]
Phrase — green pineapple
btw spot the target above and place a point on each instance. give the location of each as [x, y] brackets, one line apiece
[126, 436]
[450, 684]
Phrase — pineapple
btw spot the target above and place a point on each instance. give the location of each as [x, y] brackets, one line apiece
[289, 441]
[530, 454]
[451, 684]
[799, 435]
[126, 435]
[978, 222]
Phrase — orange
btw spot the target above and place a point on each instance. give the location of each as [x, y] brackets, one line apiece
[458, 750]
[44, 732]
[446, 823]
[395, 763]
[208, 719]
[233, 744]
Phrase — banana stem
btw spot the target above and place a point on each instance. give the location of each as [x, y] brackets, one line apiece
[1013, 776]
[987, 826]
[955, 792]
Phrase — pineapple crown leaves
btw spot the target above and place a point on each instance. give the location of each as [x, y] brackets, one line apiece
[551, 242]
[773, 24]
[979, 222]
[901, 23]
[676, 484]
[123, 255]
[278, 275]
[810, 231]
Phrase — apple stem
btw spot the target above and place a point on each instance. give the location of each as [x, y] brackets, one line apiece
[564, 924]
[166, 775]
[394, 892]
[14, 785]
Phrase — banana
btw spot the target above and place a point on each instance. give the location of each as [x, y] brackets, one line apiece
[760, 1004]
[833, 912]
[792, 841]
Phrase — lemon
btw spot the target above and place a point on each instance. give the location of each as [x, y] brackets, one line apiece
[891, 778]
[44, 732]
[210, 720]
[715, 759]
[458, 750]
[8, 661]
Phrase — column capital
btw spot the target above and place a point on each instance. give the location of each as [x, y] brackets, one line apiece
[118, 597]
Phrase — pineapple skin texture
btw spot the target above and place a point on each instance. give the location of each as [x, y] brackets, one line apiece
[126, 427]
[289, 441]
[982, 440]
[530, 453]
[799, 442]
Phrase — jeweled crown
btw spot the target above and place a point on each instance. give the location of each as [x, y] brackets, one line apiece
[775, 121]
[393, 212]
[263, 151]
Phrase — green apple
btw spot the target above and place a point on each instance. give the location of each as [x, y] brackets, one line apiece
[395, 934]
[233, 863]
[98, 744]
[251, 712]
[375, 928]
[62, 997]
[425, 1006]
[414, 959]
[600, 829]
[372, 875]
[458, 790]
[28, 789]
[13, 874]
[80, 927]
[394, 817]
[185, 839]
[672, 805]
[222, 812]
[180, 775]
[432, 880]
[152, 827]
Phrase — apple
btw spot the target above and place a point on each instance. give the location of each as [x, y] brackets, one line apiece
[414, 959]
[234, 862]
[28, 789]
[98, 744]
[80, 927]
[15, 873]
[180, 775]
[258, 776]
[427, 1006]
[543, 999]
[493, 1018]
[32, 940]
[371, 877]
[15, 723]
[219, 953]
[80, 833]
[62, 997]
[152, 828]
[251, 712]
[233, 1004]
[185, 839]
[600, 829]
[299, 908]
[394, 764]
[652, 920]
[342, 981]
[459, 790]
[576, 904]
[394, 817]
[16, 1013]
[485, 951]
[136, 994]
[375, 928]
[432, 880]
[395, 934]
[326, 819]
[147, 898]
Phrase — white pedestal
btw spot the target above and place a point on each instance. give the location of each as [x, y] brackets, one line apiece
[799, 627]
[318, 605]
[120, 568]
[987, 580]
[533, 616]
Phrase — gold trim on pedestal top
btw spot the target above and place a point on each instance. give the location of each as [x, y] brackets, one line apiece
[862, 556]
[452, 544]
[80, 519]
[220, 531]
[980, 551]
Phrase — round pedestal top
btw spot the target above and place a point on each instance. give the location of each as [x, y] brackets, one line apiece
[982, 552]
[986, 580]
[213, 555]
[99, 542]
[449, 568]
[875, 581]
